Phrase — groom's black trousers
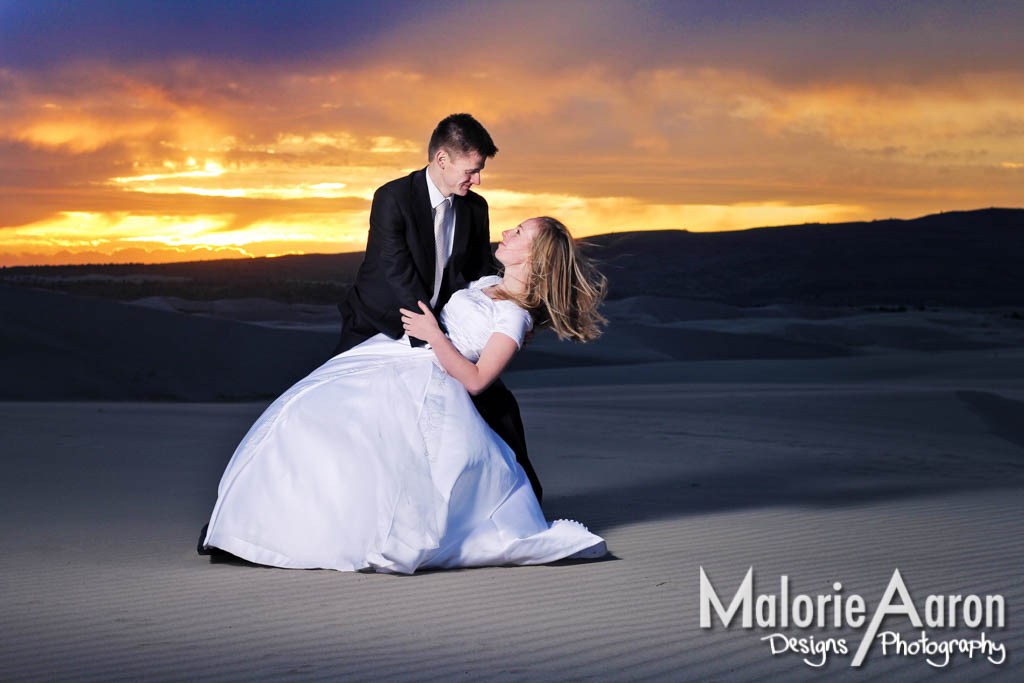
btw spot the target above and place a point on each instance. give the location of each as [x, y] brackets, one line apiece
[496, 405]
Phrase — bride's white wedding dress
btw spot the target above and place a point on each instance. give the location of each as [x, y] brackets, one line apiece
[379, 460]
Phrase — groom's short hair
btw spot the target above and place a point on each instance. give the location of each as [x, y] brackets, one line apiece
[461, 134]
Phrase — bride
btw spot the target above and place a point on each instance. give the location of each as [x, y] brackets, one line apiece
[378, 459]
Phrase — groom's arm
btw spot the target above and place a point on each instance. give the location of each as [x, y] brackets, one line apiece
[475, 376]
[388, 230]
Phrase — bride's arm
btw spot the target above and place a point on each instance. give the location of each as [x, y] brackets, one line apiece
[474, 376]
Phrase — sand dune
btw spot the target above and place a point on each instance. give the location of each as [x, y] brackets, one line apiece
[266, 312]
[60, 346]
[817, 478]
[774, 398]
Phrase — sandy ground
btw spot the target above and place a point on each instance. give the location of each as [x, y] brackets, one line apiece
[834, 469]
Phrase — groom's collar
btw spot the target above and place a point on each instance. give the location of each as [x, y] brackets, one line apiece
[435, 194]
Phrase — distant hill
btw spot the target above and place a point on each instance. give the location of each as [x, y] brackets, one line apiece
[968, 258]
[965, 258]
[209, 331]
[307, 278]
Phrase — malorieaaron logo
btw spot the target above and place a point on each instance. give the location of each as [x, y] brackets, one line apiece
[838, 610]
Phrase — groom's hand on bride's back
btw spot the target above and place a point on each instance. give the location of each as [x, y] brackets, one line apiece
[422, 325]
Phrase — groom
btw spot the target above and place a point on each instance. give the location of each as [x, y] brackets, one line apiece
[430, 236]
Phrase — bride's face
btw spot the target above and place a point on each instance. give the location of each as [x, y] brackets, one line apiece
[514, 248]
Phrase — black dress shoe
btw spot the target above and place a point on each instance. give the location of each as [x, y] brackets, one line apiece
[215, 554]
[200, 548]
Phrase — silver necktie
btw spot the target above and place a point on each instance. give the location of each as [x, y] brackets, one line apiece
[440, 246]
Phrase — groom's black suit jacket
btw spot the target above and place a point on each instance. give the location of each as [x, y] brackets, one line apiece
[398, 270]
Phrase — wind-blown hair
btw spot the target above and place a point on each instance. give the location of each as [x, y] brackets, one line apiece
[563, 288]
[461, 134]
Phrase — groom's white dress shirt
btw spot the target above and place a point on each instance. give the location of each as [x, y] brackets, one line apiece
[436, 199]
[448, 229]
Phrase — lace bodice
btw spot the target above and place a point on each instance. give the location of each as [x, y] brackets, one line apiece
[471, 317]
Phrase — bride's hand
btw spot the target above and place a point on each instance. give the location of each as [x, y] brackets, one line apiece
[420, 325]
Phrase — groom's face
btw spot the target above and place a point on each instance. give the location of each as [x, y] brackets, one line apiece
[460, 172]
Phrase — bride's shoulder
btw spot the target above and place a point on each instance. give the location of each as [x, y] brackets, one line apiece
[511, 310]
[485, 281]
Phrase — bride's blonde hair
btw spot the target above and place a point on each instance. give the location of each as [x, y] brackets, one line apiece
[563, 288]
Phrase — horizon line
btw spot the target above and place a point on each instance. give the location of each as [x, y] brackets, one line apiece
[589, 237]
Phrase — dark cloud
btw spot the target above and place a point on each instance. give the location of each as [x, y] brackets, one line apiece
[49, 32]
[26, 166]
[788, 40]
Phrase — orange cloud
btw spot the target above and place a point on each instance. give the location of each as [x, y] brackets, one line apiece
[166, 161]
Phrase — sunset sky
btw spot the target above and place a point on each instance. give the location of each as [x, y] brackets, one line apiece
[168, 131]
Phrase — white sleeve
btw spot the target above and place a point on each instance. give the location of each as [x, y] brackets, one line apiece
[512, 321]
